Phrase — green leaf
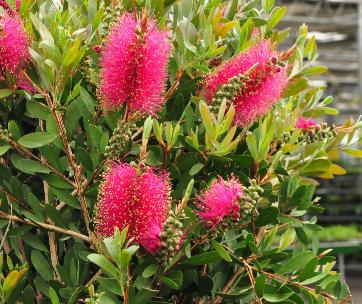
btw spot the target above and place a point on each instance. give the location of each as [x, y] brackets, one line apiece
[150, 271]
[297, 262]
[355, 153]
[296, 85]
[34, 241]
[111, 285]
[53, 296]
[316, 70]
[173, 280]
[317, 165]
[5, 93]
[277, 297]
[287, 238]
[41, 265]
[259, 285]
[104, 263]
[37, 109]
[241, 293]
[252, 146]
[144, 295]
[267, 5]
[276, 17]
[206, 117]
[28, 293]
[269, 215]
[32, 166]
[66, 197]
[36, 139]
[4, 149]
[10, 281]
[147, 128]
[308, 269]
[196, 168]
[15, 129]
[221, 251]
[203, 258]
[88, 99]
[168, 282]
[302, 236]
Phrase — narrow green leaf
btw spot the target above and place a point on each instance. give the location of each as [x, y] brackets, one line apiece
[104, 263]
[41, 265]
[203, 258]
[221, 251]
[297, 262]
[150, 271]
[316, 70]
[4, 149]
[206, 117]
[196, 168]
[53, 296]
[170, 283]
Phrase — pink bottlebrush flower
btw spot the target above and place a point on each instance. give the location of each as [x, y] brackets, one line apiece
[14, 44]
[220, 201]
[134, 66]
[305, 124]
[264, 87]
[154, 204]
[6, 7]
[139, 201]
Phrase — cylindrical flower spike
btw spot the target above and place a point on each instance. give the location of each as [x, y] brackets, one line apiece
[139, 201]
[259, 90]
[14, 45]
[134, 66]
[220, 202]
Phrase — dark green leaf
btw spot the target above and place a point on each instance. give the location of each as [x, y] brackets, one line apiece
[260, 284]
[36, 139]
[267, 216]
[41, 265]
[66, 197]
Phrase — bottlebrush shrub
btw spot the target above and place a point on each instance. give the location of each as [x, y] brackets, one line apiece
[211, 199]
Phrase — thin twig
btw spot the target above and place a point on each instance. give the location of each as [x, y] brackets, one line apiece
[14, 199]
[229, 284]
[174, 85]
[94, 278]
[6, 230]
[83, 237]
[77, 170]
[69, 153]
[287, 281]
[128, 284]
[252, 279]
[26, 153]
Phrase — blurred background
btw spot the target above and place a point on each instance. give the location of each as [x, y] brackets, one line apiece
[337, 27]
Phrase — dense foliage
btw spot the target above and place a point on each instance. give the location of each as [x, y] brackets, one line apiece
[162, 152]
